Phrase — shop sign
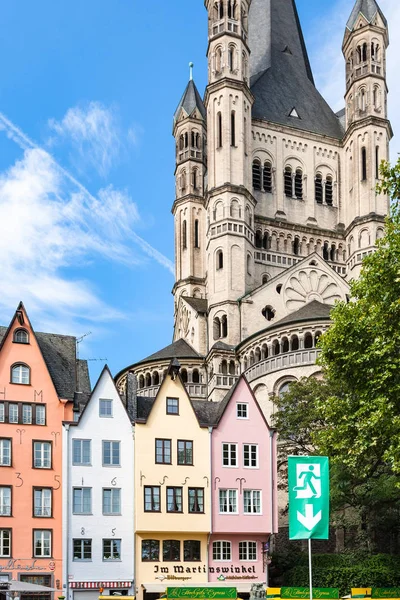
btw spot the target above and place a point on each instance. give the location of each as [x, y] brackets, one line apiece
[304, 593]
[202, 593]
[22, 564]
[231, 572]
[385, 593]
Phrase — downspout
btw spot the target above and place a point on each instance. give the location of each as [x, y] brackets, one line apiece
[67, 508]
[135, 591]
[210, 430]
[272, 491]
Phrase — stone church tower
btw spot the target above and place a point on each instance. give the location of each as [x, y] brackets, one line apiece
[275, 198]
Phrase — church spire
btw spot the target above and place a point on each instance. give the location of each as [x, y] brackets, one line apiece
[368, 9]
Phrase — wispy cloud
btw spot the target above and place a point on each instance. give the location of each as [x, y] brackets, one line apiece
[49, 221]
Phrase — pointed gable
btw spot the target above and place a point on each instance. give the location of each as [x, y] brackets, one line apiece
[240, 393]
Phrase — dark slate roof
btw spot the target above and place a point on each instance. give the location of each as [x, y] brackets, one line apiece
[200, 305]
[312, 310]
[222, 346]
[281, 76]
[59, 353]
[368, 8]
[190, 100]
[179, 349]
[205, 411]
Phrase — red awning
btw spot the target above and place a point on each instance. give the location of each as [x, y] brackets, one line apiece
[96, 585]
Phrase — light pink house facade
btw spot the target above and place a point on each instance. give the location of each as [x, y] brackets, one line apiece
[244, 490]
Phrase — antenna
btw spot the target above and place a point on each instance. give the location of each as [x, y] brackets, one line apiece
[77, 342]
[97, 359]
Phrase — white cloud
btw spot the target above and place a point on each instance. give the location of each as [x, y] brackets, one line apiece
[94, 133]
[328, 62]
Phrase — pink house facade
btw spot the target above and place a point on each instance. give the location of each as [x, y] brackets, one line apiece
[244, 491]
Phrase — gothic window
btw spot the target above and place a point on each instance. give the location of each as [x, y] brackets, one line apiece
[362, 53]
[221, 9]
[219, 130]
[257, 355]
[308, 341]
[224, 326]
[220, 260]
[245, 363]
[184, 235]
[251, 358]
[258, 239]
[363, 164]
[257, 175]
[288, 182]
[233, 129]
[267, 177]
[298, 184]
[329, 191]
[216, 328]
[196, 234]
[318, 189]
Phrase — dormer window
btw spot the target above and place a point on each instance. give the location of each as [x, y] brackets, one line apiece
[21, 336]
[21, 374]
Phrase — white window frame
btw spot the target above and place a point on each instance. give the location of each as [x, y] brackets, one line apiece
[250, 466]
[41, 535]
[2, 412]
[113, 491]
[81, 463]
[45, 504]
[219, 544]
[12, 411]
[43, 462]
[27, 418]
[80, 508]
[20, 374]
[120, 549]
[5, 501]
[111, 463]
[40, 419]
[224, 496]
[5, 442]
[252, 497]
[230, 447]
[102, 415]
[247, 550]
[2, 542]
[241, 405]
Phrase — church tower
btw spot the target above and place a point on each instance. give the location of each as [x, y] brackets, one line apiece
[368, 130]
[229, 203]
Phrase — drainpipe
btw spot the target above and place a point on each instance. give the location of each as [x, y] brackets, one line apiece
[67, 509]
[210, 430]
[135, 591]
[272, 471]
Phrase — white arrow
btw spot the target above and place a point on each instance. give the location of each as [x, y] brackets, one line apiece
[310, 520]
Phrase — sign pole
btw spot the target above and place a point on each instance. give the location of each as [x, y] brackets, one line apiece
[310, 567]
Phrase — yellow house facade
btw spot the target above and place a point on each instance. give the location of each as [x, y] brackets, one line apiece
[173, 489]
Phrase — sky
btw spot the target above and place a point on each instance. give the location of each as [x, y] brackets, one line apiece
[87, 93]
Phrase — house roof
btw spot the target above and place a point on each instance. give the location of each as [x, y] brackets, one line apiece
[281, 78]
[59, 353]
[206, 411]
[190, 100]
[200, 305]
[368, 8]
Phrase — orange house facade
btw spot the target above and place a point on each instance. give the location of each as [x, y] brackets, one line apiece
[38, 385]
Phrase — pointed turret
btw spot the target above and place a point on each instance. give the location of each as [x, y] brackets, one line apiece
[190, 103]
[368, 9]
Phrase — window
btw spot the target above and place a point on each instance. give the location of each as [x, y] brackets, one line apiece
[42, 502]
[5, 543]
[298, 184]
[319, 190]
[252, 501]
[233, 129]
[377, 162]
[42, 455]
[5, 501]
[21, 374]
[231, 54]
[329, 191]
[111, 549]
[242, 410]
[81, 452]
[40, 414]
[220, 260]
[111, 454]
[174, 499]
[191, 550]
[152, 498]
[163, 452]
[216, 328]
[222, 551]
[21, 336]
[219, 130]
[288, 182]
[5, 452]
[82, 549]
[248, 551]
[267, 177]
[150, 550]
[41, 543]
[196, 500]
[250, 455]
[171, 550]
[27, 414]
[185, 452]
[229, 455]
[184, 235]
[13, 413]
[82, 501]
[111, 501]
[172, 406]
[224, 326]
[257, 175]
[196, 234]
[228, 501]
[105, 408]
[2, 412]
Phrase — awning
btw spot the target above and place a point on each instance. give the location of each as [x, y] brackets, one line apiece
[155, 588]
[26, 588]
[95, 585]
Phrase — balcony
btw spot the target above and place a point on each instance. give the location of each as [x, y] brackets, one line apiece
[299, 358]
[222, 382]
[195, 390]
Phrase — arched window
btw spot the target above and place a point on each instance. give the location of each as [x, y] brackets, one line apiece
[258, 239]
[183, 181]
[332, 254]
[184, 235]
[276, 348]
[266, 243]
[264, 352]
[251, 358]
[363, 164]
[248, 264]
[283, 389]
[141, 382]
[223, 367]
[329, 191]
[155, 380]
[219, 130]
[245, 363]
[224, 326]
[377, 162]
[248, 216]
[21, 374]
[231, 58]
[296, 246]
[257, 175]
[233, 129]
[288, 182]
[267, 177]
[265, 279]
[362, 100]
[216, 328]
[235, 209]
[221, 9]
[220, 260]
[232, 367]
[218, 59]
[294, 343]
[308, 340]
[317, 336]
[319, 190]
[298, 184]
[285, 345]
[196, 234]
[193, 139]
[232, 9]
[148, 380]
[325, 251]
[181, 142]
[257, 355]
[196, 376]
[21, 336]
[194, 179]
[184, 375]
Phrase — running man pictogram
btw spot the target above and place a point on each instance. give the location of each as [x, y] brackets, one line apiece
[310, 486]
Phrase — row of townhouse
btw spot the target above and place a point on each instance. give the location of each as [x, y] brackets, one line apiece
[125, 496]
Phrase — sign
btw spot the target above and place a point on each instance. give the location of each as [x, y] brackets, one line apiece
[308, 498]
[23, 564]
[385, 593]
[304, 593]
[202, 592]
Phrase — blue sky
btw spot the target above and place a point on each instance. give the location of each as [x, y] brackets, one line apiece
[88, 89]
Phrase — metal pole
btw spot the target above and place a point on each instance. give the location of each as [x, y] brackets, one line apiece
[310, 567]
